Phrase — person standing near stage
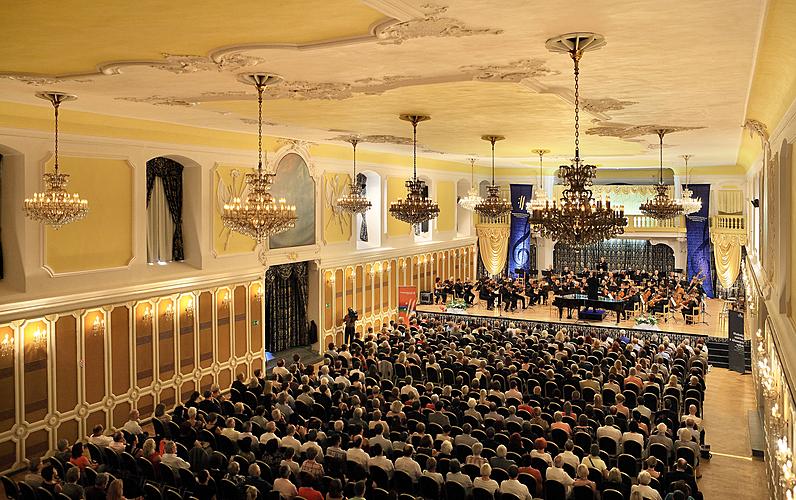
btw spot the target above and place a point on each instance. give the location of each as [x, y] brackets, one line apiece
[349, 322]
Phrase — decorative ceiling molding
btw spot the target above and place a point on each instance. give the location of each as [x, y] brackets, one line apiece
[42, 81]
[605, 104]
[432, 24]
[397, 9]
[303, 90]
[181, 64]
[159, 100]
[625, 131]
[227, 58]
[375, 139]
[515, 71]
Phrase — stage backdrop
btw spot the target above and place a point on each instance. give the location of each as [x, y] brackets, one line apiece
[619, 254]
[520, 252]
[698, 238]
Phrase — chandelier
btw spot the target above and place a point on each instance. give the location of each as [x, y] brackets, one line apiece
[354, 202]
[493, 206]
[540, 199]
[55, 206]
[258, 215]
[417, 208]
[690, 204]
[578, 219]
[473, 198]
[661, 206]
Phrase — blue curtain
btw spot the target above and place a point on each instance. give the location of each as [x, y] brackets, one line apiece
[519, 257]
[698, 237]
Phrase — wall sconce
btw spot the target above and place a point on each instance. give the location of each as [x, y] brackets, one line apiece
[403, 264]
[146, 316]
[40, 339]
[331, 278]
[224, 304]
[98, 326]
[353, 275]
[7, 346]
[169, 312]
[189, 308]
[258, 295]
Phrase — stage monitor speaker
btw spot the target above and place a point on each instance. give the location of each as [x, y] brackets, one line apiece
[426, 298]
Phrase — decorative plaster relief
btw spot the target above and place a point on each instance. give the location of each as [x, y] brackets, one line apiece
[42, 81]
[433, 24]
[376, 139]
[605, 104]
[515, 71]
[625, 131]
[180, 64]
[158, 100]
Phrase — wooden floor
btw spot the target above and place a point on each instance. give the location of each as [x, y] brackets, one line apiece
[711, 326]
[731, 473]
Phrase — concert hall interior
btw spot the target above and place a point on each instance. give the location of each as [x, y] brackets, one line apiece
[397, 249]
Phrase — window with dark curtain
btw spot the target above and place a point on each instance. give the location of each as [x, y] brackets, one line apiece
[164, 211]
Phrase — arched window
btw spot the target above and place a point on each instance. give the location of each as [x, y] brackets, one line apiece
[294, 183]
[464, 217]
[164, 241]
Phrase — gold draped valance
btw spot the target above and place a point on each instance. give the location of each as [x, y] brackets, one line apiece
[493, 244]
[727, 256]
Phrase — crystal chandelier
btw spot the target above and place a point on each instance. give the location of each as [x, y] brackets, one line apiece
[354, 202]
[661, 206]
[578, 219]
[258, 215]
[473, 198]
[493, 206]
[540, 199]
[690, 204]
[55, 206]
[417, 208]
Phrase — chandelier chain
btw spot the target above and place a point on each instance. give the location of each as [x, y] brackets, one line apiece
[414, 149]
[576, 58]
[492, 140]
[56, 105]
[260, 89]
[661, 133]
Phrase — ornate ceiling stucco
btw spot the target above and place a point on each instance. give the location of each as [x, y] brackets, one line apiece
[476, 65]
[434, 23]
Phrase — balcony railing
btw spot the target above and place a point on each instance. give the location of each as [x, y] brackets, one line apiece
[728, 223]
[646, 224]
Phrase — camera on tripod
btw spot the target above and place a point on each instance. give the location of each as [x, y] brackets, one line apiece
[353, 314]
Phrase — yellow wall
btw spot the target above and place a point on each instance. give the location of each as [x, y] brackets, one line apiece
[446, 198]
[104, 239]
[336, 224]
[371, 288]
[792, 217]
[226, 242]
[774, 80]
[396, 189]
[79, 378]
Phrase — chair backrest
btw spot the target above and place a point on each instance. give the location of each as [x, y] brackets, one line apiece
[529, 481]
[152, 492]
[660, 452]
[455, 490]
[632, 448]
[482, 494]
[499, 475]
[553, 490]
[608, 445]
[582, 492]
[10, 487]
[509, 496]
[627, 464]
[687, 454]
[380, 477]
[429, 488]
[612, 495]
[402, 482]
[167, 475]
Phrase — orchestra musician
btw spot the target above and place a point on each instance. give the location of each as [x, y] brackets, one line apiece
[440, 290]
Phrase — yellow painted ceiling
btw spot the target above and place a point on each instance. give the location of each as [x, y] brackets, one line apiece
[460, 113]
[74, 36]
[774, 82]
[660, 66]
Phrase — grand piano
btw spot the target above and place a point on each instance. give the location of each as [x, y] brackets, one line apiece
[579, 301]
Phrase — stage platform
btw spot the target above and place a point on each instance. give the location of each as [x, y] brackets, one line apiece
[712, 325]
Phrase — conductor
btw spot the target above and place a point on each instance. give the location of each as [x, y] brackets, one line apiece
[593, 286]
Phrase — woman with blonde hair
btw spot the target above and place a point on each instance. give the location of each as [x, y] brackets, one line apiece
[115, 490]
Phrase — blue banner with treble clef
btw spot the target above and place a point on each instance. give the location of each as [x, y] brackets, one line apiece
[519, 258]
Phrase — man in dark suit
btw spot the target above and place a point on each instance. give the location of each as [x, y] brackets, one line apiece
[680, 473]
[593, 287]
